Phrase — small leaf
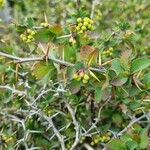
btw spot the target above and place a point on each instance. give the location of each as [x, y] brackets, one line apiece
[146, 80]
[75, 87]
[117, 66]
[21, 28]
[125, 55]
[117, 144]
[119, 81]
[132, 145]
[117, 118]
[70, 54]
[45, 35]
[30, 22]
[41, 70]
[144, 139]
[98, 94]
[85, 52]
[139, 64]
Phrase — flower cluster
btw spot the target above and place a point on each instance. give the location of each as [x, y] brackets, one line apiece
[84, 24]
[81, 75]
[104, 138]
[28, 36]
[108, 52]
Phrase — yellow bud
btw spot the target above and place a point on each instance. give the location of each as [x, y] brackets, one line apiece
[91, 21]
[77, 28]
[109, 133]
[28, 40]
[24, 38]
[86, 23]
[85, 81]
[104, 138]
[78, 78]
[83, 138]
[75, 76]
[96, 141]
[86, 77]
[92, 28]
[30, 37]
[111, 49]
[92, 143]
[80, 24]
[110, 53]
[80, 32]
[86, 19]
[33, 33]
[79, 20]
[42, 24]
[83, 28]
[100, 138]
[89, 26]
[107, 139]
[29, 30]
[46, 25]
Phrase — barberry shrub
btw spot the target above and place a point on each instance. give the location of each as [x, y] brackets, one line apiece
[75, 75]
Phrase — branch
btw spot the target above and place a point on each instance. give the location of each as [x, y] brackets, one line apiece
[50, 121]
[88, 147]
[130, 125]
[94, 3]
[78, 2]
[76, 126]
[20, 93]
[59, 136]
[57, 61]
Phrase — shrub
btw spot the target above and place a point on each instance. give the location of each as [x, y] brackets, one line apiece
[75, 75]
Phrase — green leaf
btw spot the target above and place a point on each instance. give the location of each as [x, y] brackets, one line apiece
[45, 35]
[146, 80]
[21, 28]
[75, 86]
[132, 145]
[117, 118]
[144, 139]
[70, 54]
[119, 81]
[117, 66]
[139, 64]
[41, 70]
[30, 22]
[2, 68]
[98, 94]
[117, 144]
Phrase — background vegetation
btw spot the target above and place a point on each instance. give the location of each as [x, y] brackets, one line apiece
[74, 75]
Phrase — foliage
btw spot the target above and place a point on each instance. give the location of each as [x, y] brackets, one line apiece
[75, 75]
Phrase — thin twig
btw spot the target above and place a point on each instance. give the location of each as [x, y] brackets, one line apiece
[65, 63]
[76, 126]
[94, 3]
[20, 93]
[88, 147]
[130, 125]
[50, 121]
